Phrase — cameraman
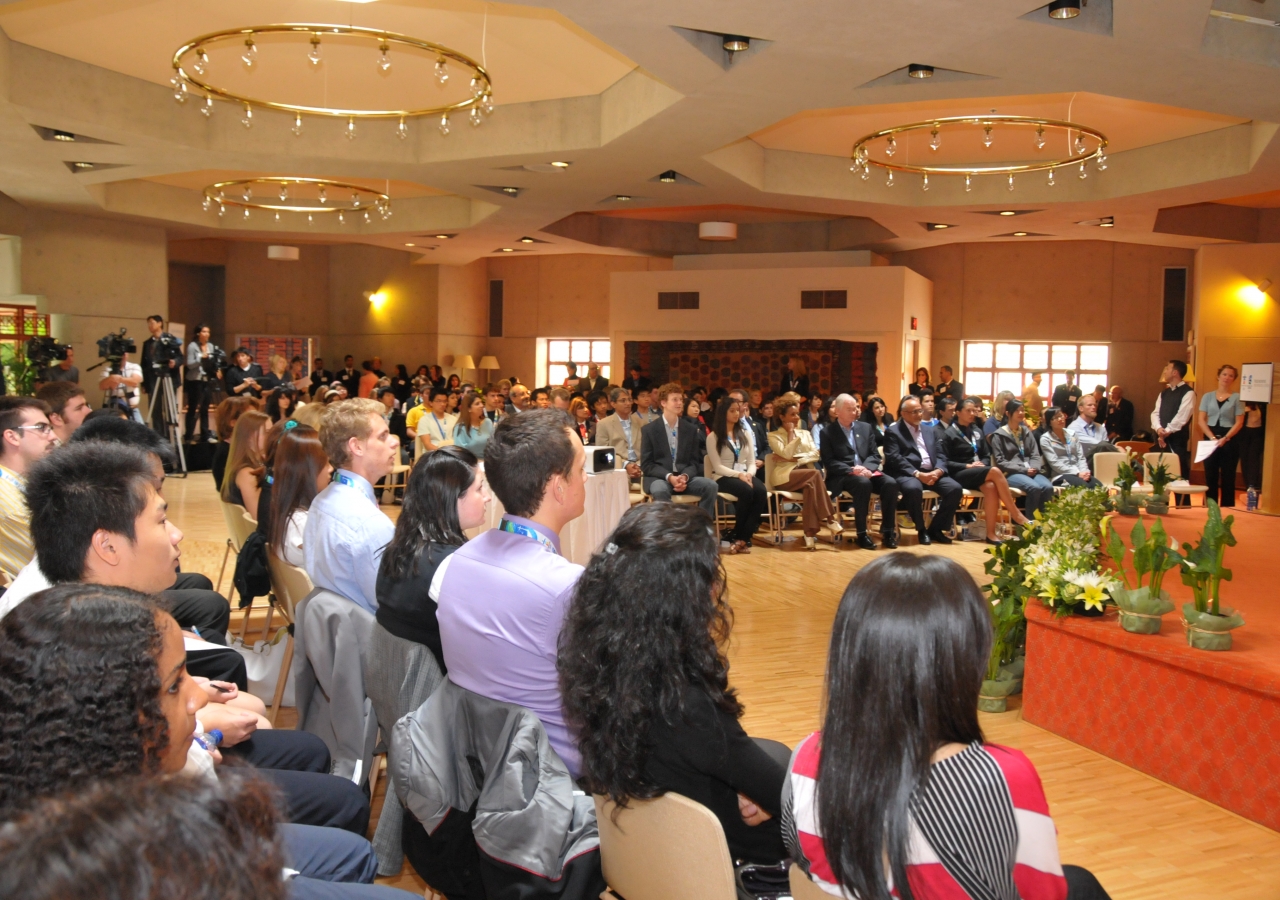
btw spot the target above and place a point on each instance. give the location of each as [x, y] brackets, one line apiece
[160, 352]
[123, 388]
[63, 370]
[203, 357]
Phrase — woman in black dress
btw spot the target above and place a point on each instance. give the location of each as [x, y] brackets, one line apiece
[968, 460]
[921, 384]
[796, 378]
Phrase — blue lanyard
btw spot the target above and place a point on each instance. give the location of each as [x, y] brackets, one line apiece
[532, 533]
[439, 427]
[734, 447]
[8, 476]
[345, 479]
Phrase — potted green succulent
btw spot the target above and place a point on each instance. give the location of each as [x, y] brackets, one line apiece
[1127, 504]
[1159, 478]
[1208, 623]
[1141, 606]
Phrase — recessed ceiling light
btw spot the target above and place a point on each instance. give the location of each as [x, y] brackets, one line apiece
[1019, 234]
[1064, 9]
[513, 191]
[668, 177]
[63, 136]
[622, 198]
[526, 240]
[1008, 212]
[508, 250]
[1108, 222]
[736, 43]
[935, 226]
[83, 165]
[918, 71]
[443, 237]
[411, 245]
[560, 164]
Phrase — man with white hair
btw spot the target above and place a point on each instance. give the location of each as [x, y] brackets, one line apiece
[851, 463]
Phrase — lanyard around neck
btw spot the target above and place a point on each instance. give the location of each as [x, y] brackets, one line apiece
[532, 533]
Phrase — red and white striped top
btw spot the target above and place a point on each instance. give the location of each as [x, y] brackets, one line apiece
[980, 828]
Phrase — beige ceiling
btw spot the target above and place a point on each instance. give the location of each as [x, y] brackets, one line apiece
[743, 215]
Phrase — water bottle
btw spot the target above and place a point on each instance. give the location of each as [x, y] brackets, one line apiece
[1252, 502]
[209, 740]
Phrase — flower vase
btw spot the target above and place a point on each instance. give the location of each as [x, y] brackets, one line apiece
[1158, 504]
[994, 696]
[1205, 631]
[1140, 613]
[1127, 504]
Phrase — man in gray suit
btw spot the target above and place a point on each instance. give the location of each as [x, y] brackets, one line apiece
[621, 431]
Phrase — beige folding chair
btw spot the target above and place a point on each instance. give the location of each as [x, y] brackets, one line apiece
[803, 888]
[724, 518]
[668, 848]
[397, 479]
[775, 497]
[231, 514]
[1182, 487]
[675, 498]
[1106, 465]
[289, 584]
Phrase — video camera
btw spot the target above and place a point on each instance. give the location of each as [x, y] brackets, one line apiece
[113, 347]
[214, 362]
[168, 348]
[41, 351]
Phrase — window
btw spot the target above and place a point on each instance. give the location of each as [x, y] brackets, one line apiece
[1173, 323]
[578, 352]
[824, 299]
[678, 299]
[991, 367]
[495, 309]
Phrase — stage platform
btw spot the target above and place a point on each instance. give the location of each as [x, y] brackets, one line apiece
[1205, 722]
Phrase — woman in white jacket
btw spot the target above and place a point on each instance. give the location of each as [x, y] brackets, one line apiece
[731, 459]
[794, 455]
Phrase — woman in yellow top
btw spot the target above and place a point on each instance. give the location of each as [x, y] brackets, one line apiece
[794, 454]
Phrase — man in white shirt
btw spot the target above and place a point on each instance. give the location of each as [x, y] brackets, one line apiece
[431, 422]
[124, 386]
[1171, 418]
[346, 531]
[621, 431]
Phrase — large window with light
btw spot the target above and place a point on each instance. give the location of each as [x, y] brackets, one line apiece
[580, 352]
[991, 367]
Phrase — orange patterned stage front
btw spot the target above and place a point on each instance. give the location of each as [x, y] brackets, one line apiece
[1206, 722]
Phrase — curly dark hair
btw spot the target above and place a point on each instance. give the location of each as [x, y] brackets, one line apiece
[79, 692]
[146, 838]
[646, 625]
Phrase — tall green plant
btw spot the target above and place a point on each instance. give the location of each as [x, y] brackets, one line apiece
[1154, 555]
[1202, 565]
[1159, 476]
[19, 374]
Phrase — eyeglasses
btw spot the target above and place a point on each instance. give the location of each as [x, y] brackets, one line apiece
[38, 428]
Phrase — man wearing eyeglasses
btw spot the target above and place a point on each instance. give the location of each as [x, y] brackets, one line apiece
[25, 437]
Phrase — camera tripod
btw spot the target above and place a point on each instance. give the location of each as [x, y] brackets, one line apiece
[163, 393]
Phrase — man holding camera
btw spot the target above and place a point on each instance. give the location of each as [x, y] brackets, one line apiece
[160, 354]
[123, 387]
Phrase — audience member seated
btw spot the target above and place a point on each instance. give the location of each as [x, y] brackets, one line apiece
[559, 399]
[1064, 461]
[503, 596]
[1119, 415]
[913, 455]
[431, 421]
[26, 436]
[815, 413]
[1091, 435]
[946, 409]
[968, 461]
[598, 401]
[144, 713]
[300, 471]
[647, 406]
[900, 789]
[519, 399]
[733, 462]
[445, 497]
[646, 682]
[671, 452]
[998, 414]
[473, 429]
[756, 428]
[392, 414]
[876, 413]
[244, 376]
[794, 456]
[621, 431]
[266, 476]
[541, 398]
[67, 407]
[851, 464]
[1016, 452]
[245, 462]
[281, 401]
[929, 404]
[346, 531]
[580, 413]
[693, 415]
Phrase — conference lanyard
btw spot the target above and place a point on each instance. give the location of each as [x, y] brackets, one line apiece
[8, 476]
[532, 533]
[439, 427]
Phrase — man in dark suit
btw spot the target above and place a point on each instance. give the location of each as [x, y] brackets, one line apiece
[595, 381]
[1066, 395]
[947, 386]
[851, 463]
[153, 365]
[912, 455]
[759, 436]
[350, 376]
[319, 376]
[671, 454]
[1119, 415]
[635, 382]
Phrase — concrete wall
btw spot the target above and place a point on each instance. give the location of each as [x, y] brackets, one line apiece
[1055, 290]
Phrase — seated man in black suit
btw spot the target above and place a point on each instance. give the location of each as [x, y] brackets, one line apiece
[754, 424]
[851, 463]
[913, 455]
[671, 454]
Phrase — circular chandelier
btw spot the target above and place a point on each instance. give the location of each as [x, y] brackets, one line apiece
[298, 195]
[191, 66]
[1085, 144]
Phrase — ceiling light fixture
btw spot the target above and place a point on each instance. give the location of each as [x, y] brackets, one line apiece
[916, 70]
[526, 240]
[560, 164]
[295, 195]
[479, 99]
[411, 245]
[513, 191]
[1064, 9]
[83, 165]
[1008, 212]
[1084, 144]
[1108, 222]
[936, 226]
[508, 250]
[736, 43]
[622, 198]
[1019, 234]
[63, 136]
[444, 237]
[668, 177]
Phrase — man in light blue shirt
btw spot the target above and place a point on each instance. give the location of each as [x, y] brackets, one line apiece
[346, 532]
[1092, 435]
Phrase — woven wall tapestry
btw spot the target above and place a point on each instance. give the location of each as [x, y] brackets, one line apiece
[834, 366]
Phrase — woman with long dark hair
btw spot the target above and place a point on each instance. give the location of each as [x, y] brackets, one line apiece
[201, 376]
[473, 428]
[693, 413]
[401, 384]
[899, 792]
[646, 684]
[445, 497]
[281, 402]
[876, 413]
[245, 461]
[300, 469]
[967, 459]
[455, 384]
[920, 383]
[733, 463]
[1016, 452]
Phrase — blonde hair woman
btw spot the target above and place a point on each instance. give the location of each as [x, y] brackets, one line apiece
[245, 461]
[794, 454]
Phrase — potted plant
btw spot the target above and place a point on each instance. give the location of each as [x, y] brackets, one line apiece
[1126, 478]
[1208, 623]
[1159, 477]
[1141, 606]
[1008, 592]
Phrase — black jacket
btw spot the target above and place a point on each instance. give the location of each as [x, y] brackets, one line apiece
[655, 452]
[149, 372]
[790, 383]
[902, 457]
[957, 447]
[953, 389]
[350, 381]
[837, 455]
[319, 377]
[235, 376]
[1120, 420]
[762, 436]
[635, 385]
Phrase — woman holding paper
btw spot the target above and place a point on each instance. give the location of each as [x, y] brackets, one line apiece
[1220, 418]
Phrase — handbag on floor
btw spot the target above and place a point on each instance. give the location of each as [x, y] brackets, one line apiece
[760, 882]
[263, 661]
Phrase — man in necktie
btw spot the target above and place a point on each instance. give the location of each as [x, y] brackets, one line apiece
[852, 465]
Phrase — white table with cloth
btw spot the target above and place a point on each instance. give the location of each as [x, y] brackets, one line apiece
[608, 497]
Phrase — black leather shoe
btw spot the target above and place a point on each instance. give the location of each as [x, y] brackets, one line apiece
[889, 541]
[864, 542]
[925, 540]
[941, 539]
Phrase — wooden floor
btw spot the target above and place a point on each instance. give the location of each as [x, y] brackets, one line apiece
[1143, 839]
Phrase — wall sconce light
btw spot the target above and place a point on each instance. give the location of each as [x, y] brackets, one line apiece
[1265, 285]
[376, 298]
[1255, 295]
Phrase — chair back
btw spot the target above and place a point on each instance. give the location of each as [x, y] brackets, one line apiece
[237, 528]
[1167, 457]
[1106, 466]
[803, 888]
[289, 583]
[664, 848]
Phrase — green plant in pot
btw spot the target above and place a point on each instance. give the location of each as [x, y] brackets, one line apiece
[1008, 595]
[1127, 504]
[1141, 606]
[1208, 623]
[1159, 477]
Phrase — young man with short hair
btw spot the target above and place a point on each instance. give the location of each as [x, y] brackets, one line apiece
[621, 431]
[928, 403]
[502, 596]
[671, 454]
[542, 399]
[346, 531]
[1171, 418]
[494, 403]
[430, 421]
[26, 436]
[67, 407]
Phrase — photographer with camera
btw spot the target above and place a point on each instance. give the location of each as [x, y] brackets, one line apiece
[244, 377]
[204, 359]
[64, 370]
[160, 355]
[122, 386]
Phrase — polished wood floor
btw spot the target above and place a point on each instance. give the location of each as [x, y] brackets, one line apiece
[1144, 839]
